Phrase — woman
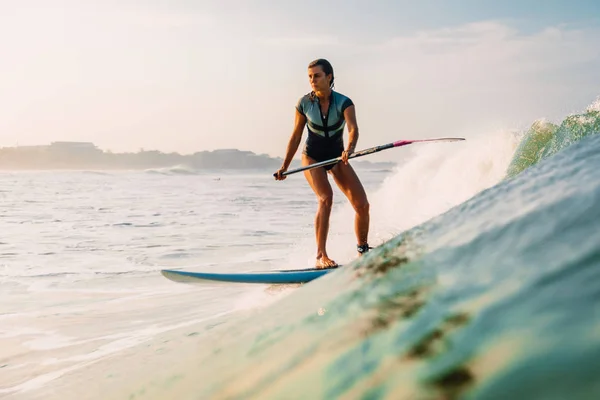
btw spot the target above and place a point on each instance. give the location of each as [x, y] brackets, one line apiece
[326, 112]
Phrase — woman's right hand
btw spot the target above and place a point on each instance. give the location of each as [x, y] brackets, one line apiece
[279, 174]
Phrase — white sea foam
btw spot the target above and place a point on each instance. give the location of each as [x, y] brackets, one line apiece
[595, 106]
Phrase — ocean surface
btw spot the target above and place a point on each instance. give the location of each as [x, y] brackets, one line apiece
[484, 283]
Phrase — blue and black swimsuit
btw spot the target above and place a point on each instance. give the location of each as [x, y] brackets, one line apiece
[325, 132]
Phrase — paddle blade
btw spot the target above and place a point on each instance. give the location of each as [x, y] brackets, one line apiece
[405, 142]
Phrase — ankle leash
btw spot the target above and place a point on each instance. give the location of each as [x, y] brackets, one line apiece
[363, 248]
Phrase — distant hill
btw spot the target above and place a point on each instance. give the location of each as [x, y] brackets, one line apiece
[85, 155]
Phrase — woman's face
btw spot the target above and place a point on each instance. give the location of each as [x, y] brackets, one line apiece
[318, 80]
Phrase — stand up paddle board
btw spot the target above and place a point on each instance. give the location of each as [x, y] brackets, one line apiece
[268, 277]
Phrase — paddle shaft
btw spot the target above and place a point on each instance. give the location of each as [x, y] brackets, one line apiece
[365, 152]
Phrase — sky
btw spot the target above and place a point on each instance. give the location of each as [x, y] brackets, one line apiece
[193, 75]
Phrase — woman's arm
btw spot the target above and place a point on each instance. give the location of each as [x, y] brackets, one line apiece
[292, 147]
[350, 116]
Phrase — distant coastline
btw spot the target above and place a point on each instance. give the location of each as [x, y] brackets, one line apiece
[86, 155]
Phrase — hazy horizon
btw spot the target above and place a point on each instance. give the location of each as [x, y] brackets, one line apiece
[199, 76]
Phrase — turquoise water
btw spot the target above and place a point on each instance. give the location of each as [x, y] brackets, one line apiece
[497, 298]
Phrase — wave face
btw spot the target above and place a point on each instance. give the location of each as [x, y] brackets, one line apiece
[493, 299]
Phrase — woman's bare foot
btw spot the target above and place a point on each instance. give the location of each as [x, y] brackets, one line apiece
[325, 262]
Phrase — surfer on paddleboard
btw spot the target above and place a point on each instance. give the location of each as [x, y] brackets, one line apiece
[325, 112]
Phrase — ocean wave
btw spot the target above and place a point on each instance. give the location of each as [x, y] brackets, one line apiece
[544, 139]
[174, 170]
[474, 303]
[99, 173]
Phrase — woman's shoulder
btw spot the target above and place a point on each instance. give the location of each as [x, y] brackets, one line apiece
[308, 97]
[305, 100]
[340, 95]
[343, 100]
[303, 103]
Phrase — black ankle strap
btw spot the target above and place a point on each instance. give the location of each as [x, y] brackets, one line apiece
[363, 248]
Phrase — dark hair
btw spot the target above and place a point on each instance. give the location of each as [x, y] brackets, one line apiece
[327, 68]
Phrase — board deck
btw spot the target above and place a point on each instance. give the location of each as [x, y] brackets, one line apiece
[265, 277]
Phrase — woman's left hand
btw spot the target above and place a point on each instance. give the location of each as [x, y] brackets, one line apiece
[345, 155]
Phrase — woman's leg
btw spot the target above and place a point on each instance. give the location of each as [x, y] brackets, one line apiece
[317, 179]
[350, 185]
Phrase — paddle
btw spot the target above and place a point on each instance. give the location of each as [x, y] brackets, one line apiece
[368, 151]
